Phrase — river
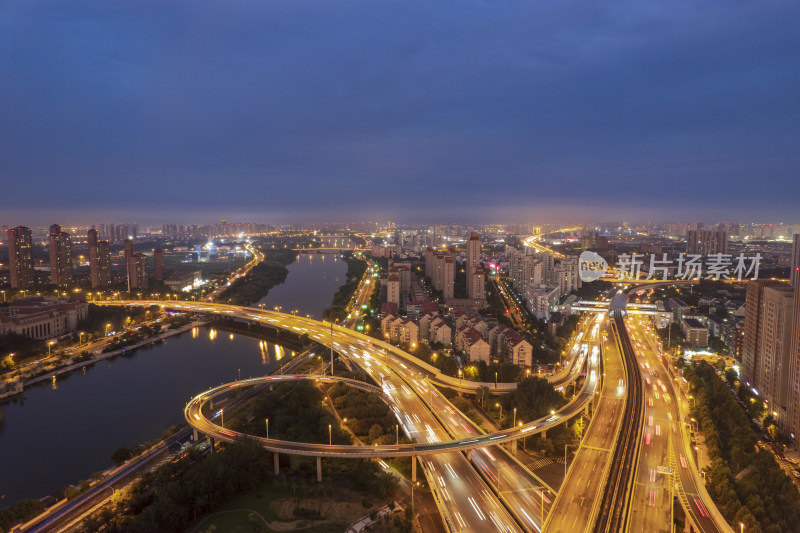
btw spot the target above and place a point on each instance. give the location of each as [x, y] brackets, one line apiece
[308, 286]
[62, 432]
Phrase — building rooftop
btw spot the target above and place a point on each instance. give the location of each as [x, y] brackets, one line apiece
[693, 323]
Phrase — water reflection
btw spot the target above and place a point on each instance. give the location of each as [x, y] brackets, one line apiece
[309, 288]
[147, 390]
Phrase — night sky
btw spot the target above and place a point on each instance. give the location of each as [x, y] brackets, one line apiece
[293, 111]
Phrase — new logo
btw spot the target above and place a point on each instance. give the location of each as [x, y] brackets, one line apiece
[591, 266]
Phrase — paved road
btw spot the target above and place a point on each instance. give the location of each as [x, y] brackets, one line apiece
[575, 506]
[465, 499]
[669, 446]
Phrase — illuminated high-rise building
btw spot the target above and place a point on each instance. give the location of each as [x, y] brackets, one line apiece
[99, 261]
[60, 257]
[20, 257]
[138, 271]
[475, 274]
[794, 371]
[753, 316]
[772, 374]
[706, 242]
[795, 272]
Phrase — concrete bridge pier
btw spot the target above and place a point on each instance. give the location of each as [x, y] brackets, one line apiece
[211, 440]
[194, 435]
[544, 434]
[413, 468]
[514, 447]
[276, 465]
[319, 469]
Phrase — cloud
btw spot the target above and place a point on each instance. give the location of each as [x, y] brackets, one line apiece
[320, 107]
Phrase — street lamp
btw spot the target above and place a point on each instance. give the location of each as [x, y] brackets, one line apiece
[514, 423]
[741, 527]
[107, 326]
[267, 420]
[501, 410]
[49, 345]
[495, 380]
[222, 417]
[330, 435]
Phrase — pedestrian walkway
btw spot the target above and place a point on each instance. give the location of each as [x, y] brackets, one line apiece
[544, 461]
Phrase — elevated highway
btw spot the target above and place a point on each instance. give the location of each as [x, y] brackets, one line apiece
[415, 403]
[669, 445]
[576, 506]
[615, 505]
[378, 362]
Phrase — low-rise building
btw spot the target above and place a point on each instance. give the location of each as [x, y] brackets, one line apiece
[184, 279]
[695, 331]
[542, 299]
[474, 346]
[41, 318]
[679, 309]
[393, 289]
[513, 348]
[409, 332]
[418, 308]
[390, 327]
[440, 332]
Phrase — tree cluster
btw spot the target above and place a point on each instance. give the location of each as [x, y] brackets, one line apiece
[295, 413]
[23, 511]
[765, 499]
[176, 494]
[367, 414]
[256, 284]
[337, 311]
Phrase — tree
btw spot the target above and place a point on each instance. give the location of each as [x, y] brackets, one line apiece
[375, 432]
[121, 455]
[534, 398]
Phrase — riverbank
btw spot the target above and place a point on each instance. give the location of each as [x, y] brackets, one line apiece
[17, 387]
[256, 284]
[343, 299]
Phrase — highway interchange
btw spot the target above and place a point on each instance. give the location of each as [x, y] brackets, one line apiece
[478, 484]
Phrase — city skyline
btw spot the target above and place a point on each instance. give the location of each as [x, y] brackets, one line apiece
[286, 113]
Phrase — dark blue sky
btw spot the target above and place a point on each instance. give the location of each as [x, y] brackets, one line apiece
[334, 110]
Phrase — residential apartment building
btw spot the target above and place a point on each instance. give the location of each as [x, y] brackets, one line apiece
[393, 289]
[706, 242]
[60, 246]
[793, 421]
[476, 289]
[772, 372]
[795, 265]
[752, 328]
[541, 299]
[99, 260]
[20, 257]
